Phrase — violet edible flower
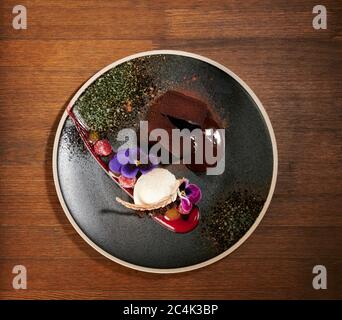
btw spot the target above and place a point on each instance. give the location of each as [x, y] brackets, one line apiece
[128, 162]
[190, 194]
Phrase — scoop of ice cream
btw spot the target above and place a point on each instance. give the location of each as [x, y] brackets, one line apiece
[154, 186]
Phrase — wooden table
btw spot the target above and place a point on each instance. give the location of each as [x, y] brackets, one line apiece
[295, 71]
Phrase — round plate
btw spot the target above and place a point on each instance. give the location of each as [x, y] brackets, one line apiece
[87, 194]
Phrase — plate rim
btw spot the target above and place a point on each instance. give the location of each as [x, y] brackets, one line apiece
[178, 269]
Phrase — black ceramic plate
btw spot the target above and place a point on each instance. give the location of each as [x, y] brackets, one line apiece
[233, 203]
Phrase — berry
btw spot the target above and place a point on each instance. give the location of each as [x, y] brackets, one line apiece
[126, 182]
[103, 148]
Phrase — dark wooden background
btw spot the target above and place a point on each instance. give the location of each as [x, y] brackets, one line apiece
[295, 71]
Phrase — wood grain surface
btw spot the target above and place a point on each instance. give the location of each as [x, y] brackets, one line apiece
[294, 70]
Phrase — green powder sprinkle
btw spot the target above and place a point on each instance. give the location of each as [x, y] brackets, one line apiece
[230, 218]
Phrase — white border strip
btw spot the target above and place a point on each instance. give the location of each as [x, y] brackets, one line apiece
[202, 264]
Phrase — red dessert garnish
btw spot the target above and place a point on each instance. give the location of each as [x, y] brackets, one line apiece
[103, 148]
[126, 182]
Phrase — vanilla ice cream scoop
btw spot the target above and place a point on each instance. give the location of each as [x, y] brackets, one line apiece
[155, 186]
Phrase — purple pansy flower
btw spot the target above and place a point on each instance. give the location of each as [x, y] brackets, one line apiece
[129, 162]
[189, 194]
